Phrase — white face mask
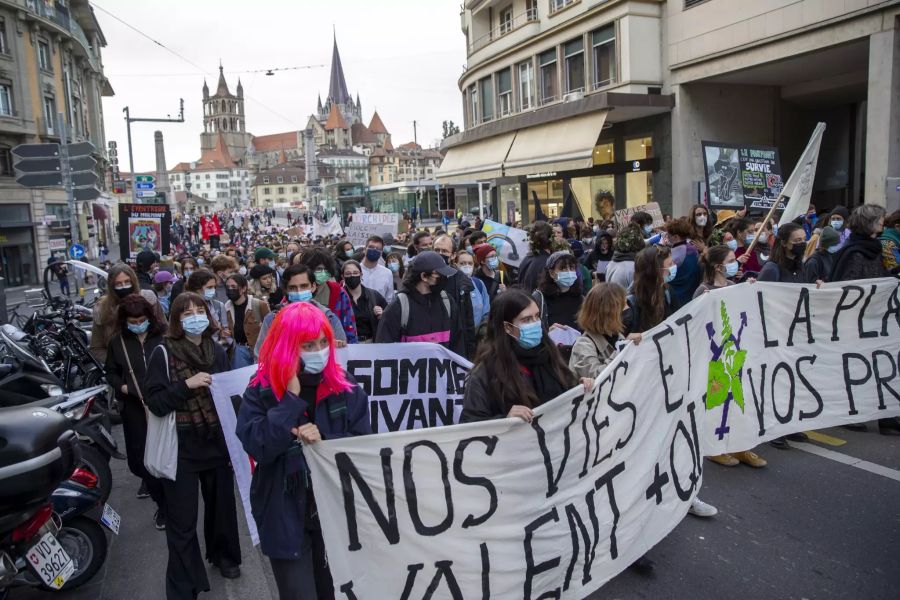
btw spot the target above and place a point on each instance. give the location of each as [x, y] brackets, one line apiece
[467, 269]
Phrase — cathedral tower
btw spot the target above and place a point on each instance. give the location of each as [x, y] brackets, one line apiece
[223, 113]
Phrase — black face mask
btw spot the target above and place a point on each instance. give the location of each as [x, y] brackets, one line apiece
[233, 295]
[798, 249]
[353, 281]
[122, 292]
[446, 259]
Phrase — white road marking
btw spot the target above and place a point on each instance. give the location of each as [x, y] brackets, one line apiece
[848, 460]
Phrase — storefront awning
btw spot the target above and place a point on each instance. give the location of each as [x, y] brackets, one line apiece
[468, 163]
[562, 145]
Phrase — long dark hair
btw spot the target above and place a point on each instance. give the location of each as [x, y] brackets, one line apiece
[779, 248]
[496, 354]
[649, 286]
[712, 258]
[181, 304]
[548, 286]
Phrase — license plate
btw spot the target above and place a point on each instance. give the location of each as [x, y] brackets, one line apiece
[50, 561]
[111, 518]
[106, 434]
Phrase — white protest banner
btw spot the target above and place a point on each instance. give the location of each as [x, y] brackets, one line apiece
[227, 389]
[364, 225]
[623, 216]
[409, 386]
[326, 228]
[557, 507]
[511, 243]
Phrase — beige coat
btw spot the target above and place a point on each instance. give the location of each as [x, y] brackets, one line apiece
[105, 326]
[590, 355]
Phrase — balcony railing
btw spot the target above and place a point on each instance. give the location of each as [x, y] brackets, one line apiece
[505, 27]
[60, 17]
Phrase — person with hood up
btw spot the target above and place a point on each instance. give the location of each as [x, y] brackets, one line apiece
[838, 220]
[621, 269]
[540, 240]
[819, 265]
[146, 264]
[421, 310]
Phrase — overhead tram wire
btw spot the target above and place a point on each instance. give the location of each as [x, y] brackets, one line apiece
[187, 60]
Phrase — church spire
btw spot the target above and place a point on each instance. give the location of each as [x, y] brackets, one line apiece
[222, 88]
[337, 88]
[205, 89]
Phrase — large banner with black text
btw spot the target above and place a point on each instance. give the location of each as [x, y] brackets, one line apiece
[555, 508]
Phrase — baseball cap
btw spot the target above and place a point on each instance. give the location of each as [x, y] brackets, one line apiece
[264, 253]
[163, 277]
[431, 262]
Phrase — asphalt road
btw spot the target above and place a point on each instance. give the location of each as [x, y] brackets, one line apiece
[805, 527]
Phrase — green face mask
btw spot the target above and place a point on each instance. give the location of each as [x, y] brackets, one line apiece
[322, 277]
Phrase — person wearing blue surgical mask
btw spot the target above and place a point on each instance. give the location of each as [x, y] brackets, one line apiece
[139, 332]
[558, 294]
[720, 267]
[204, 283]
[179, 376]
[518, 367]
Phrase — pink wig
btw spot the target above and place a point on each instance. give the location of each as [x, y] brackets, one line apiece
[279, 357]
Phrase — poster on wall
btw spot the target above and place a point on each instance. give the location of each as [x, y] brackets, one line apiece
[144, 227]
[742, 176]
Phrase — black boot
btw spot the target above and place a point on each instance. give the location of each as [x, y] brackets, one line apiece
[889, 426]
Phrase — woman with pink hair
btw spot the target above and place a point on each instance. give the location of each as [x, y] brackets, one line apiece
[299, 394]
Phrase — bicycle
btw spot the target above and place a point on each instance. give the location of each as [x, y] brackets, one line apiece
[16, 318]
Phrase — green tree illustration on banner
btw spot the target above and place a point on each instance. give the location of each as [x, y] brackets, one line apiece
[725, 371]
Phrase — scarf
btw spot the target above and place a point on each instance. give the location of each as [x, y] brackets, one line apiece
[619, 256]
[186, 360]
[891, 234]
[537, 362]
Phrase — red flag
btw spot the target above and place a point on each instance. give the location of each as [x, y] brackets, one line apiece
[214, 227]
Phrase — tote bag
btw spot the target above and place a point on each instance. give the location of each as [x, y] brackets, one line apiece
[161, 450]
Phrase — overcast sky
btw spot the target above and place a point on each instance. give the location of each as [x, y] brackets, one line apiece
[403, 57]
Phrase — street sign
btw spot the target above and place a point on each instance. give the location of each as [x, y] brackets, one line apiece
[76, 251]
[144, 186]
[81, 149]
[144, 179]
[40, 179]
[88, 193]
[145, 194]
[84, 179]
[82, 163]
[38, 165]
[36, 150]
[58, 244]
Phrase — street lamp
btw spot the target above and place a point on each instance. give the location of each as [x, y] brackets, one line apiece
[187, 188]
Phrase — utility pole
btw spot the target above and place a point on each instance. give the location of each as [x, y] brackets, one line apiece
[62, 128]
[418, 184]
[129, 120]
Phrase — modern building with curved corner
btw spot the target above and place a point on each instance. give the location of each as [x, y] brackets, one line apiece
[605, 103]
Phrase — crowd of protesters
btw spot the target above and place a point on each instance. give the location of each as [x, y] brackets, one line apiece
[282, 297]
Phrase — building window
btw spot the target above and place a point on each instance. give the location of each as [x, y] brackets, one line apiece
[473, 106]
[604, 153]
[294, 189]
[531, 10]
[487, 99]
[504, 91]
[293, 179]
[49, 113]
[265, 180]
[604, 45]
[574, 52]
[266, 191]
[279, 179]
[44, 56]
[526, 85]
[556, 5]
[281, 190]
[549, 77]
[506, 20]
[6, 168]
[6, 96]
[4, 46]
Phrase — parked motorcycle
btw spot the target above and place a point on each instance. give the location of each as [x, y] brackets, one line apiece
[38, 452]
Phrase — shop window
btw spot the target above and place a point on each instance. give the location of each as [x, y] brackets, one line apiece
[603, 42]
[604, 153]
[504, 91]
[526, 85]
[549, 195]
[487, 99]
[511, 202]
[638, 188]
[14, 213]
[549, 77]
[638, 148]
[574, 54]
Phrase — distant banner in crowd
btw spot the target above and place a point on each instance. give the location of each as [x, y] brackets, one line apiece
[511, 243]
[365, 225]
[326, 228]
[143, 227]
[556, 508]
[742, 176]
[623, 216]
[409, 386]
